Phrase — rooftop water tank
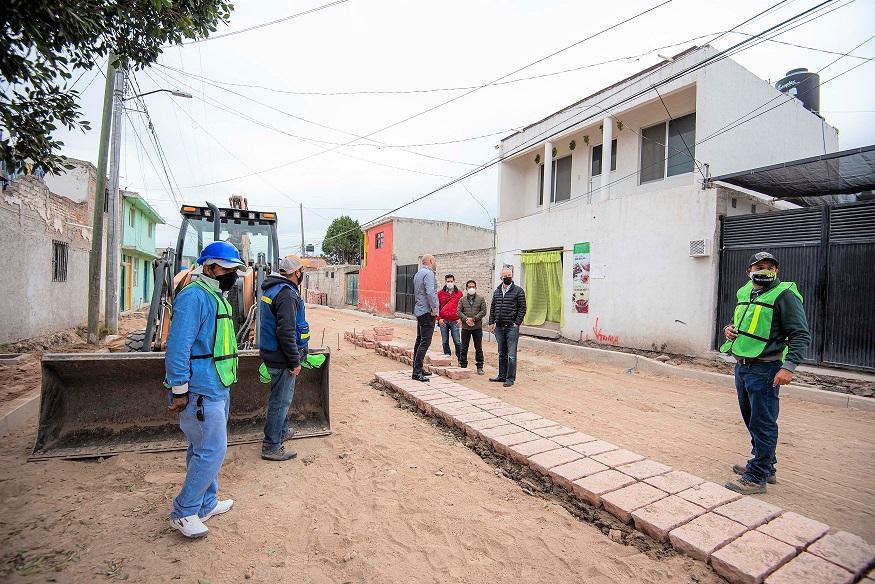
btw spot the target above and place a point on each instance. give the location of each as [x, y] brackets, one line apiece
[803, 85]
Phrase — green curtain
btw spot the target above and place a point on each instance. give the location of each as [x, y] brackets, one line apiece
[543, 287]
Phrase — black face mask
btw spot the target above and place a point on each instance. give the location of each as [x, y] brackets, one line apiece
[507, 281]
[227, 281]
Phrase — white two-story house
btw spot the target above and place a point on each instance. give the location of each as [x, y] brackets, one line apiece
[618, 244]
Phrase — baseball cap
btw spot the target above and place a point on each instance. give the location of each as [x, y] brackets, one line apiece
[760, 256]
[292, 263]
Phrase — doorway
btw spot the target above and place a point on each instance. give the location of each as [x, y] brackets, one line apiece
[542, 282]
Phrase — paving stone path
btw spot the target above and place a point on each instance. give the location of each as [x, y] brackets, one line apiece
[745, 540]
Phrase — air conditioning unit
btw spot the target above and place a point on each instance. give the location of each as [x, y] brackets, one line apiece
[700, 248]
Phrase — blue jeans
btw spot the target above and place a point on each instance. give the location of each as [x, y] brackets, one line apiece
[451, 327]
[207, 443]
[276, 422]
[759, 404]
[507, 337]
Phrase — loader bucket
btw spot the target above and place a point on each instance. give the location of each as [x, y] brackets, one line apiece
[97, 404]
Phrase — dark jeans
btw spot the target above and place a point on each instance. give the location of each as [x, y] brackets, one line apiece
[507, 337]
[424, 332]
[467, 335]
[759, 404]
[276, 423]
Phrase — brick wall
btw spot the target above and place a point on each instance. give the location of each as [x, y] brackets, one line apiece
[335, 287]
[476, 264]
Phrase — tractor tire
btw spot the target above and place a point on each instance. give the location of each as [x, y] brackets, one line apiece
[134, 341]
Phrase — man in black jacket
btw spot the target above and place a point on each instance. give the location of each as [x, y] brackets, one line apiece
[283, 337]
[505, 317]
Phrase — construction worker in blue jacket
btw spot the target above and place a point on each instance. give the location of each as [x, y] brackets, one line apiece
[283, 338]
[201, 366]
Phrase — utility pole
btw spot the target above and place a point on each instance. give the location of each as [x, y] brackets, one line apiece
[303, 249]
[95, 258]
[113, 241]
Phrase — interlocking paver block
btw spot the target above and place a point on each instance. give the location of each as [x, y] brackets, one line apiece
[434, 358]
[594, 447]
[644, 469]
[500, 405]
[591, 488]
[486, 401]
[504, 442]
[573, 439]
[553, 432]
[749, 511]
[506, 411]
[495, 431]
[709, 495]
[794, 529]
[475, 417]
[521, 417]
[458, 373]
[809, 569]
[544, 461]
[565, 474]
[846, 550]
[615, 458]
[704, 534]
[488, 423]
[751, 557]
[657, 519]
[535, 424]
[522, 452]
[622, 502]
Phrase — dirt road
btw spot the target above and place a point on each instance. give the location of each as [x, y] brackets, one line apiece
[390, 497]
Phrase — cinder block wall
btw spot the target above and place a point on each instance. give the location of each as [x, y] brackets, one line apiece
[475, 264]
[322, 280]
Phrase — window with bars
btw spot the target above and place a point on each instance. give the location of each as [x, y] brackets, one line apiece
[378, 241]
[59, 261]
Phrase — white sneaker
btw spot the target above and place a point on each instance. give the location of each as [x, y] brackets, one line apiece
[190, 526]
[221, 507]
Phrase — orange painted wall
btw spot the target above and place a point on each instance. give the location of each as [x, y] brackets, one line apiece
[375, 276]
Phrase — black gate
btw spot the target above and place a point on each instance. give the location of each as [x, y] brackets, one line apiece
[830, 253]
[404, 300]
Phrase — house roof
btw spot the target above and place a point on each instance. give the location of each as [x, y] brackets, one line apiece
[609, 87]
[141, 204]
[394, 218]
[839, 173]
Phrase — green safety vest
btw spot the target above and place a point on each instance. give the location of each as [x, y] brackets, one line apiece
[753, 320]
[225, 344]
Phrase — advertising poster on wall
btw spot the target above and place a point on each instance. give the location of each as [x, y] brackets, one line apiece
[580, 266]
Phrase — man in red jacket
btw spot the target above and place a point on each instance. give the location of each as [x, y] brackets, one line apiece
[448, 318]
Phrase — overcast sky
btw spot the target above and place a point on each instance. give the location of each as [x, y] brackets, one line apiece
[397, 45]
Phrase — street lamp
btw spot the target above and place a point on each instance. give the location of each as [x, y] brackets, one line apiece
[174, 92]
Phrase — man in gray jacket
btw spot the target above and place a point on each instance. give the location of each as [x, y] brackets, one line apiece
[425, 309]
[472, 311]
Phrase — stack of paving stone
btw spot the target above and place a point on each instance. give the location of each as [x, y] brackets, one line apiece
[746, 540]
[380, 339]
[317, 297]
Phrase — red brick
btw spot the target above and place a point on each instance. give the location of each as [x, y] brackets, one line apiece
[496, 431]
[573, 439]
[794, 529]
[657, 519]
[553, 432]
[435, 358]
[486, 401]
[505, 411]
[475, 417]
[521, 452]
[591, 488]
[846, 550]
[535, 424]
[615, 458]
[565, 474]
[751, 557]
[644, 469]
[544, 461]
[709, 495]
[594, 447]
[622, 502]
[458, 373]
[675, 481]
[749, 511]
[503, 443]
[488, 423]
[523, 416]
[703, 535]
[810, 569]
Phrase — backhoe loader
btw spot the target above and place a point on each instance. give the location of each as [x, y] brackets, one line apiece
[97, 404]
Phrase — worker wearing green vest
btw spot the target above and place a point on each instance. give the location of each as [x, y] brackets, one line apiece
[201, 366]
[768, 338]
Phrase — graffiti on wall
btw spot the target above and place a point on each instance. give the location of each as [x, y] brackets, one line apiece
[599, 335]
[580, 266]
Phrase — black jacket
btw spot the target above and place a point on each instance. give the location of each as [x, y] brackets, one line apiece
[285, 308]
[508, 308]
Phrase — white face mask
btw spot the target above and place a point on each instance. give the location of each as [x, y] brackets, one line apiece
[451, 285]
[472, 291]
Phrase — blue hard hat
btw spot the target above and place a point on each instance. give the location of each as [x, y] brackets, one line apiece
[223, 252]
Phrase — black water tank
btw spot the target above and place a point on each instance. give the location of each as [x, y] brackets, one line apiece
[803, 85]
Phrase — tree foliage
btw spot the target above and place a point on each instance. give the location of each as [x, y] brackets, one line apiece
[42, 42]
[343, 241]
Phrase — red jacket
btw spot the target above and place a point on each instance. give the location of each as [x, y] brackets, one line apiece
[449, 303]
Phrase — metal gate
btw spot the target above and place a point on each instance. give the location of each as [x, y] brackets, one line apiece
[352, 288]
[404, 299]
[829, 252]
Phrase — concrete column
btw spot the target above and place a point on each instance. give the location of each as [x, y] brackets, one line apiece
[548, 173]
[607, 138]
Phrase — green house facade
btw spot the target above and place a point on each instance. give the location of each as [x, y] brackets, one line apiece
[138, 251]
